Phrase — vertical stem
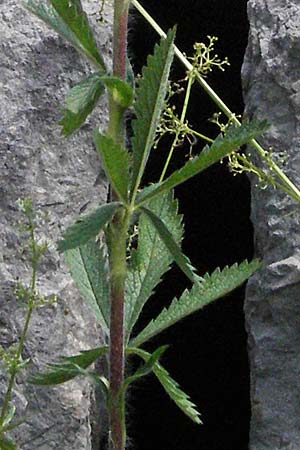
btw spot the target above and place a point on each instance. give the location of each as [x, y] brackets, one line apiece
[117, 235]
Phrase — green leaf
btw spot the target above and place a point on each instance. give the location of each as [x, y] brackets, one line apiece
[181, 260]
[80, 101]
[115, 160]
[68, 368]
[222, 146]
[149, 104]
[151, 259]
[49, 15]
[88, 267]
[213, 286]
[171, 387]
[9, 416]
[7, 444]
[122, 92]
[88, 226]
[148, 367]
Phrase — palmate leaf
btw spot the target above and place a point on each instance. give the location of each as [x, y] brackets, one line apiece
[171, 387]
[149, 104]
[88, 267]
[7, 443]
[80, 101]
[68, 367]
[115, 161]
[50, 16]
[213, 286]
[222, 146]
[181, 260]
[88, 226]
[151, 259]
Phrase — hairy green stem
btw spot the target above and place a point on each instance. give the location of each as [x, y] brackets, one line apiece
[290, 187]
[117, 235]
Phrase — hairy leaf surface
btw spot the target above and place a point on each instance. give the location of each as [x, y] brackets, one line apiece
[88, 267]
[80, 101]
[66, 369]
[213, 286]
[149, 104]
[115, 160]
[171, 387]
[51, 17]
[151, 259]
[88, 226]
[222, 146]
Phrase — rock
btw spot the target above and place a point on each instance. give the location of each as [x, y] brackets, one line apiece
[271, 74]
[37, 68]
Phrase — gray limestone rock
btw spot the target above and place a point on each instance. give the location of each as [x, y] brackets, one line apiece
[271, 75]
[37, 68]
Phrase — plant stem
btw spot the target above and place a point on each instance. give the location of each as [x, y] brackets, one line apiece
[290, 187]
[117, 236]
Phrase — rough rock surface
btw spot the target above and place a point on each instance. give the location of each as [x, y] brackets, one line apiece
[37, 67]
[271, 74]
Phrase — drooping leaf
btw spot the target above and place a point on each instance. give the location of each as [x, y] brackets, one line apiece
[68, 368]
[49, 15]
[151, 259]
[148, 367]
[181, 399]
[88, 226]
[121, 91]
[213, 286]
[149, 104]
[181, 260]
[7, 443]
[88, 267]
[115, 161]
[222, 146]
[75, 18]
[80, 101]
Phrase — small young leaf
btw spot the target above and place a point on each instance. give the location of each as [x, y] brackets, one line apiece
[88, 267]
[68, 368]
[222, 146]
[181, 260]
[80, 102]
[149, 104]
[115, 160]
[7, 443]
[171, 387]
[75, 18]
[121, 91]
[151, 259]
[148, 367]
[9, 416]
[213, 286]
[88, 226]
[49, 15]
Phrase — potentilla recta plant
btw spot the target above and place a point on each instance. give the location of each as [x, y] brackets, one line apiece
[118, 253]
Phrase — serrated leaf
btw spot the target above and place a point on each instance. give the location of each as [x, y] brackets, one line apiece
[7, 443]
[149, 104]
[221, 147]
[151, 259]
[87, 226]
[171, 387]
[75, 18]
[88, 267]
[121, 92]
[181, 260]
[49, 15]
[80, 101]
[212, 287]
[68, 368]
[115, 161]
[146, 368]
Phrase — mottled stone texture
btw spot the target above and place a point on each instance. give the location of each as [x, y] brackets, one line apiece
[37, 67]
[271, 74]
